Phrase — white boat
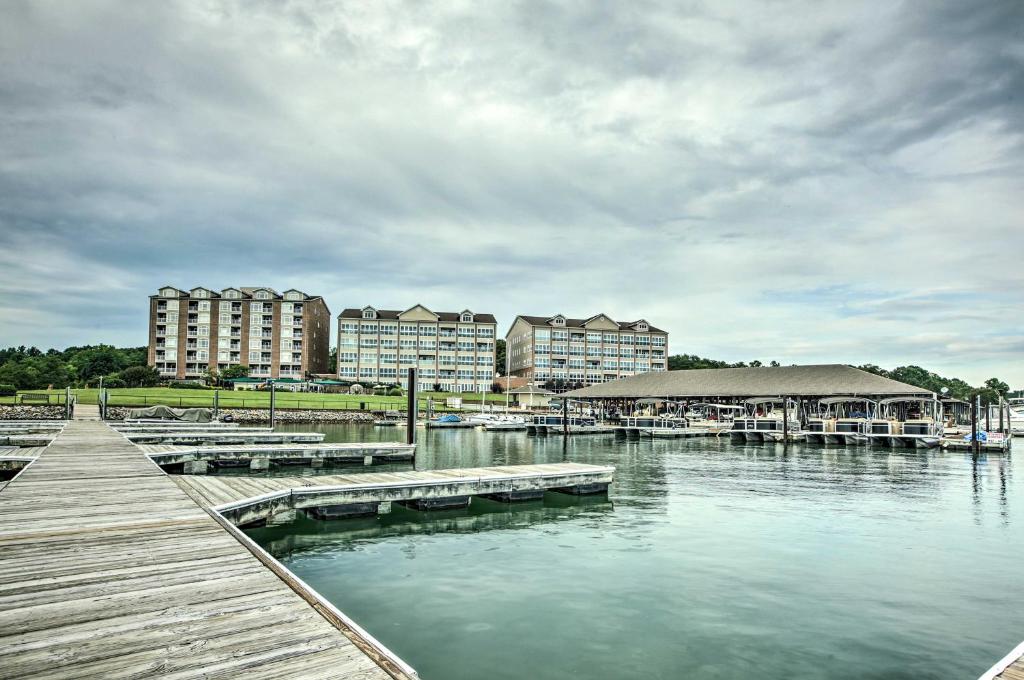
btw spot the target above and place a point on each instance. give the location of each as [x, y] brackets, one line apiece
[764, 423]
[913, 422]
[841, 420]
[1015, 406]
[714, 418]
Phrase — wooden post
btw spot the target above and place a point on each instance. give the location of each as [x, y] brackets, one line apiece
[67, 403]
[410, 415]
[273, 410]
[1000, 413]
[216, 404]
[565, 416]
[988, 417]
[785, 421]
[974, 424]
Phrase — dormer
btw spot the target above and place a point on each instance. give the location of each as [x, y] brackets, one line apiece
[261, 294]
[294, 294]
[199, 293]
[641, 325]
[369, 313]
[466, 316]
[557, 320]
[169, 292]
[231, 294]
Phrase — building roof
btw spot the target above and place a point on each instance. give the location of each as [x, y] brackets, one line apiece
[530, 389]
[581, 323]
[245, 291]
[795, 381]
[393, 314]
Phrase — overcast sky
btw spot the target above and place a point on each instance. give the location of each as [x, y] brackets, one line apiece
[799, 181]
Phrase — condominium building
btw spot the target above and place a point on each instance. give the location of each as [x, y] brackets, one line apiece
[454, 350]
[583, 351]
[277, 335]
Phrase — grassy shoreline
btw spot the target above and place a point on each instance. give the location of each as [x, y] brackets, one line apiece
[152, 396]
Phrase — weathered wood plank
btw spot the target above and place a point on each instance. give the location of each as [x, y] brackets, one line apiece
[108, 569]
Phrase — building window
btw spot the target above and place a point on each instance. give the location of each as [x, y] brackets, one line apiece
[369, 314]
[262, 295]
[467, 317]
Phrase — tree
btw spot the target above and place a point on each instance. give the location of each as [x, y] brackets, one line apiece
[499, 355]
[497, 388]
[332, 361]
[997, 386]
[234, 371]
[140, 376]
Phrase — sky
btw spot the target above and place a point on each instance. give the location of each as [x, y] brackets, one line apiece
[806, 182]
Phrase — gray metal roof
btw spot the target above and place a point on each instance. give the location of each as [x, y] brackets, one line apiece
[796, 381]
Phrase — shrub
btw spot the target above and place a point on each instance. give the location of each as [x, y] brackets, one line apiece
[8, 390]
[113, 383]
[140, 376]
[180, 385]
[395, 392]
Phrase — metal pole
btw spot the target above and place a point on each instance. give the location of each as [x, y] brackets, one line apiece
[67, 403]
[216, 404]
[988, 417]
[410, 408]
[1000, 413]
[273, 413]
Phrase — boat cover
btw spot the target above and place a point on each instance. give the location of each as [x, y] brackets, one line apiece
[190, 415]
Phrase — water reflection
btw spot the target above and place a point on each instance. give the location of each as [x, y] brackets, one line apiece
[708, 559]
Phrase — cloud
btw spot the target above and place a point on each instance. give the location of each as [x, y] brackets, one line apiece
[799, 181]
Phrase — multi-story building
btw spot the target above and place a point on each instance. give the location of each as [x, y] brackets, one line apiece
[277, 335]
[454, 350]
[583, 351]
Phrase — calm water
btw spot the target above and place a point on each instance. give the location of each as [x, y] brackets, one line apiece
[707, 560]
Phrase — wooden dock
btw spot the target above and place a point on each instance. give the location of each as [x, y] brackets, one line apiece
[245, 500]
[200, 437]
[109, 569]
[1010, 667]
[312, 454]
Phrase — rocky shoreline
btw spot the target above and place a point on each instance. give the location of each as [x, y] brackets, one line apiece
[262, 415]
[31, 412]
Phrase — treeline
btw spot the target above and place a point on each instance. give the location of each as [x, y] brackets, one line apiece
[30, 368]
[912, 375]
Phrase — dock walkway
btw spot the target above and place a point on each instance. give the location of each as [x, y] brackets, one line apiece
[109, 569]
[244, 500]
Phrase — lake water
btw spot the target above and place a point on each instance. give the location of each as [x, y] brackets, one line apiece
[706, 560]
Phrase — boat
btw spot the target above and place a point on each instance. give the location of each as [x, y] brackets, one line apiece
[1015, 407]
[449, 421]
[497, 422]
[913, 422]
[764, 423]
[841, 421]
[711, 417]
[553, 423]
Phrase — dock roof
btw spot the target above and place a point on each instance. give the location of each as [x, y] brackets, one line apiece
[795, 381]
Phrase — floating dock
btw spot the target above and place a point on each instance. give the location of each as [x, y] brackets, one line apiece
[309, 454]
[250, 500]
[196, 438]
[21, 440]
[557, 430]
[433, 424]
[109, 569]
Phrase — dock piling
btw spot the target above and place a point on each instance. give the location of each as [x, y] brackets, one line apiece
[273, 410]
[410, 409]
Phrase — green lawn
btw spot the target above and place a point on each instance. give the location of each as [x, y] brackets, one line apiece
[149, 396]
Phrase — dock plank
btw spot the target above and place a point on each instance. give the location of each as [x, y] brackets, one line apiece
[108, 569]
